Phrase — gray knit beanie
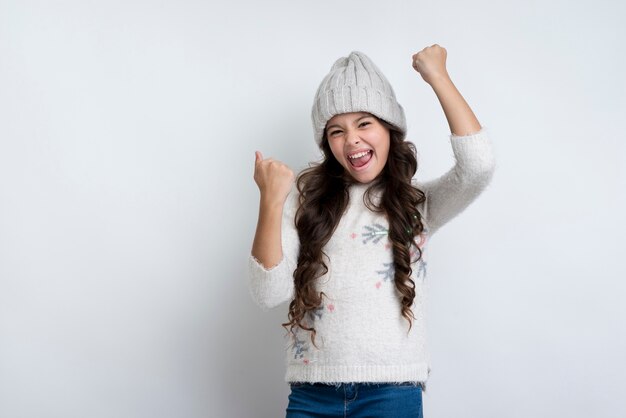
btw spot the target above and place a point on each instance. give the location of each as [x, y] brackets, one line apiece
[355, 84]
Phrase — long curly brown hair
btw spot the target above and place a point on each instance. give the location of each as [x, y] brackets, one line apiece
[324, 196]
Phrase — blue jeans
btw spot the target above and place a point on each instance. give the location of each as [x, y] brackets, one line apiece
[355, 400]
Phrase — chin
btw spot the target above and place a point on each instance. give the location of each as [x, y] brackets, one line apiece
[367, 180]
[364, 179]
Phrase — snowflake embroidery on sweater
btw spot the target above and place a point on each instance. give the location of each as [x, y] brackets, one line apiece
[302, 345]
[374, 233]
[299, 347]
[317, 313]
[421, 269]
[388, 273]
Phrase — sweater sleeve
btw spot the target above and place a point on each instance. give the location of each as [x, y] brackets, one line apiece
[450, 194]
[269, 287]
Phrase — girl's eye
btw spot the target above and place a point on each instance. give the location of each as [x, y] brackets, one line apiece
[336, 132]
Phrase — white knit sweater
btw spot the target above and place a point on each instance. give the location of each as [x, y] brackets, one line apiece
[361, 334]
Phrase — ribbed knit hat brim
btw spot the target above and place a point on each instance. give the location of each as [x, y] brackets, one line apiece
[355, 84]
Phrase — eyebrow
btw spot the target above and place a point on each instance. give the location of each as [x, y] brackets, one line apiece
[362, 117]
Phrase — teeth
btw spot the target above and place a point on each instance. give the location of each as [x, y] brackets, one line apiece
[358, 155]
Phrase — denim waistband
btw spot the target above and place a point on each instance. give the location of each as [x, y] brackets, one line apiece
[339, 384]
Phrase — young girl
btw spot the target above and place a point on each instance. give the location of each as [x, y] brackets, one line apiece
[346, 242]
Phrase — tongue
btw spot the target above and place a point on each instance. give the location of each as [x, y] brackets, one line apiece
[361, 161]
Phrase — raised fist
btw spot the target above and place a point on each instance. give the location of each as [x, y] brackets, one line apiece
[274, 178]
[430, 62]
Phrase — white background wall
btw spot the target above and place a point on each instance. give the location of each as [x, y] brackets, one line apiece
[128, 208]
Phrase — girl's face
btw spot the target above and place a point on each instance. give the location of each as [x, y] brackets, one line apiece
[360, 143]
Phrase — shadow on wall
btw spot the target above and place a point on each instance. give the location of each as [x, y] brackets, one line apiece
[249, 344]
[248, 355]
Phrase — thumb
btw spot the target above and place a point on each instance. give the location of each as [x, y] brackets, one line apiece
[258, 157]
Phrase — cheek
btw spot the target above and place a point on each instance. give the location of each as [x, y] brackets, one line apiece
[383, 150]
[336, 152]
[384, 158]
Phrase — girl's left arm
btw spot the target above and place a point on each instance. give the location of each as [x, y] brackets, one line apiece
[451, 193]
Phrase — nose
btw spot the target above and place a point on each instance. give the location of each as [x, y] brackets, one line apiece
[353, 137]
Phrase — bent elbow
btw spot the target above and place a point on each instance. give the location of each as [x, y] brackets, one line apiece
[485, 175]
[269, 287]
[481, 174]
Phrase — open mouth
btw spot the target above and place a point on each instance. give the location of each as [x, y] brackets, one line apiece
[361, 158]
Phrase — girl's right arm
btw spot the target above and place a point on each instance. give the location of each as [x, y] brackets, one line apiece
[271, 268]
[274, 180]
